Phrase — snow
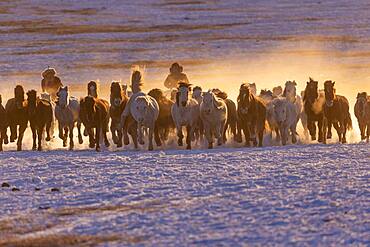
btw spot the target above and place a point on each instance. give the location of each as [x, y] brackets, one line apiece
[293, 195]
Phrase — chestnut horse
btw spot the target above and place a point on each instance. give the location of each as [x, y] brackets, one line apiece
[40, 114]
[16, 110]
[164, 123]
[313, 102]
[362, 113]
[251, 116]
[118, 101]
[3, 125]
[94, 113]
[336, 112]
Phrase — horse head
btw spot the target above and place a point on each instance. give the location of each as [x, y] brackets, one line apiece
[311, 92]
[290, 90]
[244, 98]
[280, 110]
[253, 88]
[329, 92]
[63, 96]
[197, 92]
[361, 102]
[220, 94]
[115, 94]
[92, 89]
[156, 93]
[48, 73]
[266, 94]
[19, 96]
[141, 108]
[32, 101]
[277, 91]
[176, 68]
[210, 102]
[182, 95]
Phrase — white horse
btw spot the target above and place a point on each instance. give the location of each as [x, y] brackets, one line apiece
[67, 112]
[290, 92]
[213, 112]
[145, 110]
[286, 118]
[185, 112]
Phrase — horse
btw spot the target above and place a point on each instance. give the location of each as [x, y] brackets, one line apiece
[164, 123]
[277, 91]
[313, 103]
[16, 110]
[50, 83]
[198, 96]
[213, 112]
[232, 115]
[336, 112]
[266, 95]
[185, 112]
[290, 93]
[118, 101]
[3, 125]
[40, 115]
[67, 112]
[145, 111]
[362, 115]
[94, 113]
[46, 96]
[286, 117]
[92, 89]
[251, 116]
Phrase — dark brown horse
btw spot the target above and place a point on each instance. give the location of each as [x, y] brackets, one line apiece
[40, 115]
[92, 89]
[3, 125]
[362, 113]
[336, 112]
[232, 114]
[118, 101]
[16, 110]
[251, 116]
[314, 108]
[94, 115]
[164, 124]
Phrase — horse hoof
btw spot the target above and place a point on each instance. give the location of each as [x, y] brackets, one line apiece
[48, 139]
[97, 149]
[313, 138]
[119, 145]
[344, 141]
[6, 141]
[150, 148]
[188, 147]
[34, 148]
[39, 149]
[180, 143]
[328, 136]
[107, 144]
[19, 149]
[91, 145]
[260, 145]
[210, 146]
[80, 141]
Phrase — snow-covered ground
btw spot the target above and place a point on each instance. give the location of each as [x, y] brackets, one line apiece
[293, 195]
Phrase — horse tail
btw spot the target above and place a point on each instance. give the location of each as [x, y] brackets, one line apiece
[349, 122]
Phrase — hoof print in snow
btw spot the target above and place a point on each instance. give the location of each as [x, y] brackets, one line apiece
[37, 189]
[15, 189]
[55, 190]
[44, 207]
[5, 185]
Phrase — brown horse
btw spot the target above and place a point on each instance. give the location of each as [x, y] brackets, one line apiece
[94, 113]
[314, 108]
[336, 112]
[3, 125]
[16, 110]
[164, 123]
[232, 114]
[40, 115]
[92, 89]
[362, 113]
[251, 116]
[118, 101]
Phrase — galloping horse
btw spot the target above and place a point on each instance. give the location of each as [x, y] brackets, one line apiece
[16, 110]
[336, 112]
[3, 125]
[40, 114]
[314, 108]
[251, 116]
[118, 101]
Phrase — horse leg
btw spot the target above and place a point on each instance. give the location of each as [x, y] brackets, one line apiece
[22, 129]
[278, 137]
[105, 137]
[247, 136]
[48, 127]
[322, 128]
[343, 126]
[65, 136]
[133, 133]
[223, 132]
[39, 137]
[219, 134]
[239, 137]
[71, 143]
[156, 135]
[151, 130]
[338, 129]
[293, 129]
[80, 140]
[5, 136]
[92, 141]
[189, 134]
[208, 134]
[329, 135]
[1, 140]
[13, 132]
[113, 131]
[34, 136]
[362, 129]
[179, 135]
[97, 138]
[119, 133]
[140, 134]
[312, 129]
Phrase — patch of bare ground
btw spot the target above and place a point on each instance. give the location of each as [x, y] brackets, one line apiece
[62, 240]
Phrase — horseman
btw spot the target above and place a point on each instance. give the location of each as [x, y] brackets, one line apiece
[176, 75]
[50, 83]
